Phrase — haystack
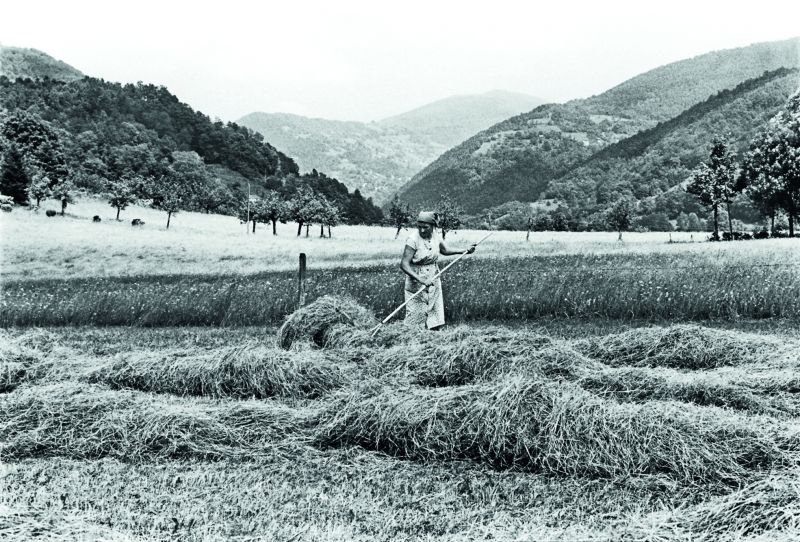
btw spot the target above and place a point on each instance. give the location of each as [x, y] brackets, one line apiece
[314, 322]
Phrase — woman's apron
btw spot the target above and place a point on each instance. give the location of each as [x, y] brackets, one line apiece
[427, 309]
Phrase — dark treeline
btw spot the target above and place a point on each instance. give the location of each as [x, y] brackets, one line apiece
[139, 142]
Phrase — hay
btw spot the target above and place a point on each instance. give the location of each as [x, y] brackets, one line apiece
[680, 347]
[12, 375]
[313, 321]
[84, 421]
[25, 524]
[247, 371]
[769, 506]
[535, 425]
[455, 360]
[640, 385]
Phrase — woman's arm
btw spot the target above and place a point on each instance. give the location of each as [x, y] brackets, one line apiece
[405, 265]
[445, 251]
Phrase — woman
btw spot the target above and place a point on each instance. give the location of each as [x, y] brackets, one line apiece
[423, 249]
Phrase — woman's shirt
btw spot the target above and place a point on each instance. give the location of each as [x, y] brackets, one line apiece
[426, 251]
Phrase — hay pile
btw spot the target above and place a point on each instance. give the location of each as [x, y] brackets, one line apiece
[536, 425]
[640, 385]
[770, 506]
[453, 360]
[84, 421]
[247, 371]
[314, 321]
[680, 347]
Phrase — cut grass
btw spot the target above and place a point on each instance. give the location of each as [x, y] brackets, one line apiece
[312, 322]
[536, 425]
[246, 371]
[641, 385]
[680, 347]
[85, 421]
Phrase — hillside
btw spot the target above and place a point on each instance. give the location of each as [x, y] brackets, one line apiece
[452, 120]
[96, 132]
[378, 157]
[519, 157]
[365, 156]
[649, 164]
[22, 63]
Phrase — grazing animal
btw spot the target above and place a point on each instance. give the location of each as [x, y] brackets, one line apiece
[137, 222]
[50, 212]
[96, 218]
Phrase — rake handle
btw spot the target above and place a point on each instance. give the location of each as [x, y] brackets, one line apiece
[435, 276]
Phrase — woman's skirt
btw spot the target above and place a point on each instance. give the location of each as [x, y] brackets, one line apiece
[427, 309]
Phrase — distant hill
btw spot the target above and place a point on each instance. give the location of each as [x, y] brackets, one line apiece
[379, 157]
[517, 159]
[16, 63]
[450, 121]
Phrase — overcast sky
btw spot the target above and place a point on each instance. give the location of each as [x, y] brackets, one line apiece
[365, 60]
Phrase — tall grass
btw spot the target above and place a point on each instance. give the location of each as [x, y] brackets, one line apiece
[627, 287]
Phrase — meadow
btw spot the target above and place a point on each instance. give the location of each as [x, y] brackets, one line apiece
[206, 270]
[588, 389]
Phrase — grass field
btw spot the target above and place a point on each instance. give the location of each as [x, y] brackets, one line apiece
[206, 271]
[591, 390]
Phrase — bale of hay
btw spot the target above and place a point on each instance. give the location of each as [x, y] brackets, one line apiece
[537, 425]
[680, 347]
[240, 372]
[86, 421]
[313, 321]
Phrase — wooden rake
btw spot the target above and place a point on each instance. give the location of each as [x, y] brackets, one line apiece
[377, 328]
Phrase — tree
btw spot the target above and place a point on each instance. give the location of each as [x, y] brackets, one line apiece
[303, 207]
[273, 209]
[694, 223]
[38, 143]
[64, 192]
[330, 215]
[14, 180]
[399, 214]
[449, 215]
[771, 168]
[683, 222]
[620, 215]
[122, 192]
[714, 182]
[40, 188]
[249, 212]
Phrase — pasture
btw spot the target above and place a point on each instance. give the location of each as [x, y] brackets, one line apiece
[589, 389]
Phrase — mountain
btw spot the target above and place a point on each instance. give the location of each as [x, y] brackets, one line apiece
[451, 120]
[648, 165]
[379, 157]
[519, 158]
[97, 133]
[16, 63]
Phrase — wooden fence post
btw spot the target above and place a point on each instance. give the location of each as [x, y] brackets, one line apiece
[301, 281]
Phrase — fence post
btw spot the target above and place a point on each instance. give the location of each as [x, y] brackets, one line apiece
[301, 281]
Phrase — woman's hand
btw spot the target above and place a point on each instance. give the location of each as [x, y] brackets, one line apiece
[470, 250]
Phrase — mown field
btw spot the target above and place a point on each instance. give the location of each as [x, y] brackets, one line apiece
[660, 433]
[589, 389]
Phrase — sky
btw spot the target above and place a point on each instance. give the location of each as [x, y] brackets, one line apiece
[367, 60]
